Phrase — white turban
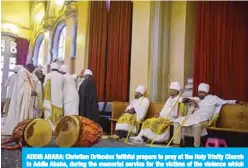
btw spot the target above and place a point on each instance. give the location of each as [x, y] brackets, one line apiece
[87, 72]
[54, 66]
[203, 87]
[64, 68]
[175, 86]
[140, 89]
[17, 68]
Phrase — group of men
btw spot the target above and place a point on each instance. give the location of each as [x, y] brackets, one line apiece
[32, 94]
[203, 111]
[60, 93]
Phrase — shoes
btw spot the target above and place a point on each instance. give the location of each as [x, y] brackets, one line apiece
[137, 140]
[114, 137]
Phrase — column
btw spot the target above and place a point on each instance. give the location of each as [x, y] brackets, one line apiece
[71, 21]
[82, 36]
[159, 49]
[140, 46]
[48, 35]
[177, 41]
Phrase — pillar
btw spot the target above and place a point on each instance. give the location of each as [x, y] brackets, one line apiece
[82, 36]
[71, 21]
[140, 46]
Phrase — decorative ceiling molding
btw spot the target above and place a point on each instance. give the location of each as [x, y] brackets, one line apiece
[16, 24]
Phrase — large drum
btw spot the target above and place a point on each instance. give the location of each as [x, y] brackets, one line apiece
[77, 131]
[31, 132]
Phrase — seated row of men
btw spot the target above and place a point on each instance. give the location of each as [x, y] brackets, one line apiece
[204, 111]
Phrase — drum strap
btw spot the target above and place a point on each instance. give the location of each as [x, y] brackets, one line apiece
[14, 147]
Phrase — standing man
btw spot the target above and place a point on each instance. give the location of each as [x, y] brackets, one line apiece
[38, 100]
[53, 95]
[207, 108]
[71, 98]
[10, 83]
[59, 61]
[88, 101]
[20, 106]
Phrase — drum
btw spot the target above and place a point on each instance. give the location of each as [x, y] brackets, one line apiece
[77, 131]
[31, 132]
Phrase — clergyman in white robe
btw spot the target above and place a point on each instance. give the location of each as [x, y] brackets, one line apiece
[157, 128]
[10, 84]
[37, 101]
[208, 107]
[20, 105]
[134, 114]
[71, 97]
[53, 95]
[78, 80]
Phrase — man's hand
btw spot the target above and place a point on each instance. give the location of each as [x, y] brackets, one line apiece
[34, 93]
[242, 103]
[132, 111]
[194, 103]
[185, 100]
[157, 115]
[214, 120]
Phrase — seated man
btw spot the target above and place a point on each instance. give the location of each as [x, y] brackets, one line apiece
[157, 129]
[134, 114]
[206, 107]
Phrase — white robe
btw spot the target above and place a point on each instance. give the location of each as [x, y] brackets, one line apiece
[141, 106]
[71, 97]
[209, 106]
[37, 101]
[79, 82]
[170, 103]
[57, 84]
[19, 108]
[10, 84]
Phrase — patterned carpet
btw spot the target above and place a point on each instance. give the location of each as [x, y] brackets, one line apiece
[12, 158]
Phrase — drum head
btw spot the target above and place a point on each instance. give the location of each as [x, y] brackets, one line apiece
[38, 133]
[67, 131]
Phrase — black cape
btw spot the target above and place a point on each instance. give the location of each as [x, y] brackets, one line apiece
[88, 101]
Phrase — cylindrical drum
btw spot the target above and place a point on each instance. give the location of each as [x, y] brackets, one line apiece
[77, 131]
[31, 132]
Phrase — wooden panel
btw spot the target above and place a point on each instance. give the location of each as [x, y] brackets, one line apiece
[153, 109]
[118, 108]
[233, 116]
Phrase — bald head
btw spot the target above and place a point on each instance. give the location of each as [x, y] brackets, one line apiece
[30, 67]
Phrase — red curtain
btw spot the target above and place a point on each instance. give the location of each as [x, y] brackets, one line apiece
[22, 50]
[119, 46]
[109, 48]
[97, 45]
[221, 48]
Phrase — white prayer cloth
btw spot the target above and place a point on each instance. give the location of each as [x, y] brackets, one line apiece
[37, 101]
[79, 81]
[71, 97]
[166, 112]
[141, 106]
[209, 106]
[20, 106]
[10, 83]
[57, 84]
